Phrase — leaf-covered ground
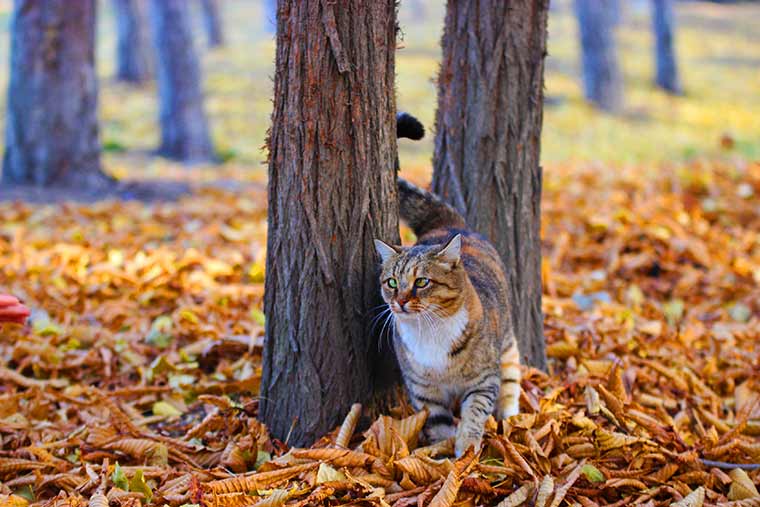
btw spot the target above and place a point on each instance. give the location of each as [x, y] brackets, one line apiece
[144, 345]
[147, 327]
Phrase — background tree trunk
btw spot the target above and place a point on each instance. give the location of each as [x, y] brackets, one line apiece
[133, 59]
[332, 189]
[213, 22]
[663, 26]
[488, 140]
[52, 125]
[602, 83]
[184, 128]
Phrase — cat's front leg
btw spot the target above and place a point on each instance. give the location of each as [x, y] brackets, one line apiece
[440, 421]
[477, 405]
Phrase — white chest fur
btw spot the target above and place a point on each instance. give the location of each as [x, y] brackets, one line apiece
[428, 342]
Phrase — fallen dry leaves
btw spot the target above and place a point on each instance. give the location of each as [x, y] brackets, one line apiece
[138, 381]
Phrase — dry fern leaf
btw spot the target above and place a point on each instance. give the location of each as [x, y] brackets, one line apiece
[410, 427]
[518, 497]
[229, 500]
[625, 483]
[15, 465]
[233, 457]
[544, 491]
[694, 499]
[742, 486]
[447, 495]
[749, 502]
[154, 453]
[344, 458]
[444, 447]
[245, 483]
[606, 440]
[419, 470]
[317, 496]
[212, 422]
[16, 378]
[98, 499]
[349, 426]
[177, 486]
[663, 474]
[276, 499]
[567, 484]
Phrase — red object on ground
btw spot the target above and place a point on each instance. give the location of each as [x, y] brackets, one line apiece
[11, 310]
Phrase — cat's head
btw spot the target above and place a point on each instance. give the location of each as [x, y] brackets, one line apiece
[423, 278]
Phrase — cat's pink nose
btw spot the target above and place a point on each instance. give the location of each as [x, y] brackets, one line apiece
[401, 303]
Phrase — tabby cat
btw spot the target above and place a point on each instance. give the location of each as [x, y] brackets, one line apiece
[448, 298]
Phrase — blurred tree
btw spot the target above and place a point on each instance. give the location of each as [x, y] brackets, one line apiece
[332, 189]
[663, 25]
[52, 122]
[133, 57]
[184, 128]
[602, 82]
[488, 138]
[213, 22]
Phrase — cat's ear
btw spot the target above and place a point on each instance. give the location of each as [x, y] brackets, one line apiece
[452, 251]
[385, 250]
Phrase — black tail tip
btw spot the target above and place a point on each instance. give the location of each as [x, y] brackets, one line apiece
[408, 126]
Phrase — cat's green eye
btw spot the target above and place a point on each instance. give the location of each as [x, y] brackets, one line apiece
[392, 283]
[421, 282]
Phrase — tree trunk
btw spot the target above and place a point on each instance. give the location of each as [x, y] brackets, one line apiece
[184, 130]
[52, 124]
[602, 83]
[332, 189]
[488, 140]
[133, 60]
[213, 23]
[663, 25]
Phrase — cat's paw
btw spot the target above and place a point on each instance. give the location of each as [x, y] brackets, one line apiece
[466, 440]
[509, 409]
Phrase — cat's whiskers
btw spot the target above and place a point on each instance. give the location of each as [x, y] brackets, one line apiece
[389, 319]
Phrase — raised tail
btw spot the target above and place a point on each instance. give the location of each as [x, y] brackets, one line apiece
[419, 208]
[424, 211]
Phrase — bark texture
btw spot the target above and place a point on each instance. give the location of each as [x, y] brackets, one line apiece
[663, 25]
[184, 128]
[133, 55]
[602, 82]
[488, 141]
[213, 23]
[52, 126]
[332, 189]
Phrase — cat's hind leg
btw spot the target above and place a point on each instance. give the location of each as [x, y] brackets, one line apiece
[508, 403]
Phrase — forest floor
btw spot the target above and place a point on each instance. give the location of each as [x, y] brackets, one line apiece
[144, 344]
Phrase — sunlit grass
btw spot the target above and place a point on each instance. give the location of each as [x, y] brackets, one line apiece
[716, 45]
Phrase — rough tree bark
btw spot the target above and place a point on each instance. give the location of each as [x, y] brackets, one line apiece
[52, 125]
[663, 25]
[488, 139]
[332, 189]
[184, 128]
[133, 57]
[602, 82]
[213, 22]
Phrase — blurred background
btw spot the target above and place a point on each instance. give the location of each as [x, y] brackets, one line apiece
[717, 51]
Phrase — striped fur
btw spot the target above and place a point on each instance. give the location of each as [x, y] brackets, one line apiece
[447, 297]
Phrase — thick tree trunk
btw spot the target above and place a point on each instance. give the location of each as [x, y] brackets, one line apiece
[488, 140]
[602, 82]
[184, 129]
[332, 189]
[52, 125]
[213, 22]
[663, 26]
[133, 58]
